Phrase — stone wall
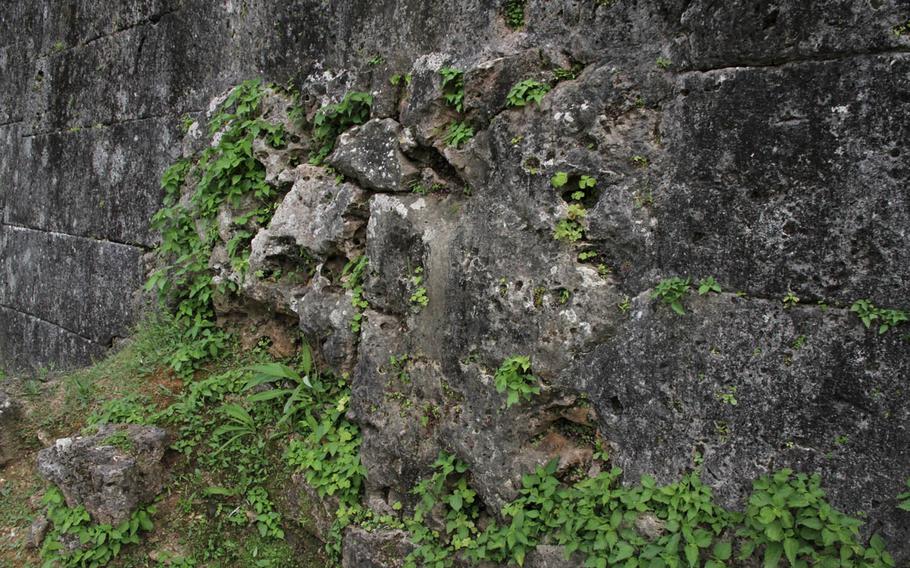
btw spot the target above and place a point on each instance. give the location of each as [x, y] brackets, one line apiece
[761, 143]
[90, 105]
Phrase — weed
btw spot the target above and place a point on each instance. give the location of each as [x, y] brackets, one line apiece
[901, 29]
[352, 279]
[904, 499]
[624, 305]
[120, 440]
[333, 119]
[566, 73]
[790, 299]
[799, 342]
[419, 297]
[458, 134]
[514, 378]
[671, 292]
[888, 318]
[708, 284]
[525, 92]
[568, 230]
[663, 63]
[397, 79]
[514, 13]
[727, 395]
[787, 516]
[640, 161]
[453, 87]
[226, 173]
[100, 542]
[376, 60]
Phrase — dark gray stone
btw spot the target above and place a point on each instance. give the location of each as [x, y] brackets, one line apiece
[370, 154]
[381, 548]
[36, 532]
[110, 473]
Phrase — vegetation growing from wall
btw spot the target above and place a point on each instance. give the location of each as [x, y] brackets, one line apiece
[607, 523]
[226, 173]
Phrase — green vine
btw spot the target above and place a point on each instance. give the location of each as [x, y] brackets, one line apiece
[224, 174]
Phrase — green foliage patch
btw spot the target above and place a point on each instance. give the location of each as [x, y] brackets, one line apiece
[526, 91]
[886, 318]
[333, 119]
[514, 378]
[638, 526]
[98, 543]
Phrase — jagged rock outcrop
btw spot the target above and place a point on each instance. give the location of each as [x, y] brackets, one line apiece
[763, 144]
[111, 473]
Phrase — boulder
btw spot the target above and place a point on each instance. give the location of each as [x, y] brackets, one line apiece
[318, 214]
[375, 549]
[371, 155]
[110, 473]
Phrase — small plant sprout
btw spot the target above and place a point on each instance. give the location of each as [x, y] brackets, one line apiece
[671, 292]
[640, 161]
[868, 313]
[727, 395]
[663, 62]
[624, 305]
[397, 79]
[352, 279]
[559, 179]
[514, 12]
[453, 87]
[458, 134]
[568, 230]
[419, 297]
[708, 284]
[515, 379]
[790, 299]
[525, 92]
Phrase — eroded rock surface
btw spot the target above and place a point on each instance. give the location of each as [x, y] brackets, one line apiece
[111, 473]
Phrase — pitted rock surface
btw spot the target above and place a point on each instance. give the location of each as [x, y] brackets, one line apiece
[110, 473]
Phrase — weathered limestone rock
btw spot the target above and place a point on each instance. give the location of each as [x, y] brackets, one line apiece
[377, 549]
[370, 155]
[9, 437]
[306, 506]
[37, 531]
[110, 473]
[318, 214]
[326, 312]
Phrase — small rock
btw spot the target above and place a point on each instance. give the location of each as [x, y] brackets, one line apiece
[37, 532]
[111, 473]
[649, 526]
[377, 549]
